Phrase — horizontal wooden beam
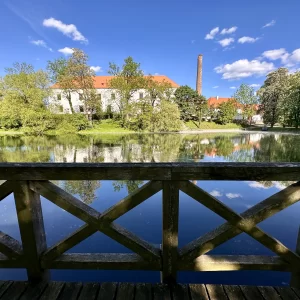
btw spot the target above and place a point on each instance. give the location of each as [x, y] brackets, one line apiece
[235, 263]
[5, 262]
[150, 171]
[103, 261]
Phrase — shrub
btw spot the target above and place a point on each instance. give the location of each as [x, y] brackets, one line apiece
[77, 121]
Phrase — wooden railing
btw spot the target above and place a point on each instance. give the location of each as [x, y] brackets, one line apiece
[30, 181]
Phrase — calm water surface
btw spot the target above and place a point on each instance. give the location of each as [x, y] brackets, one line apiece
[146, 219]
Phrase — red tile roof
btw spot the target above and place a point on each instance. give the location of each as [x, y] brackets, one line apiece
[214, 101]
[102, 82]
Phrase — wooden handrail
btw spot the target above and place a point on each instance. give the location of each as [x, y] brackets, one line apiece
[30, 181]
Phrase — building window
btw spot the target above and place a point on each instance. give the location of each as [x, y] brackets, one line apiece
[113, 96]
[80, 96]
[81, 109]
[99, 97]
[59, 97]
[60, 108]
[141, 95]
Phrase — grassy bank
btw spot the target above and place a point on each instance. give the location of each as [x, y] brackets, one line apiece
[211, 125]
[106, 126]
[10, 132]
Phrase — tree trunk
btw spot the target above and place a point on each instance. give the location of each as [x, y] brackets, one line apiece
[70, 103]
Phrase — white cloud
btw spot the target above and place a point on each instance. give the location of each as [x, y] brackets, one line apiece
[66, 51]
[247, 39]
[293, 58]
[275, 54]
[244, 68]
[211, 35]
[272, 23]
[226, 42]
[258, 185]
[233, 87]
[69, 30]
[216, 193]
[229, 30]
[215, 87]
[96, 69]
[254, 85]
[232, 195]
[41, 43]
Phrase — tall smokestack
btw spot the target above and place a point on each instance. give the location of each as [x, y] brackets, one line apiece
[199, 75]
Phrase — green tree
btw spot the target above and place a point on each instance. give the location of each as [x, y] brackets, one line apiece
[61, 76]
[272, 94]
[127, 80]
[199, 109]
[184, 96]
[227, 111]
[245, 96]
[291, 105]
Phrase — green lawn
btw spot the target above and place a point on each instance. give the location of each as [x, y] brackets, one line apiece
[10, 132]
[212, 125]
[106, 126]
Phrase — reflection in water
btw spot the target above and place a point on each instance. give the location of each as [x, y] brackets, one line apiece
[145, 220]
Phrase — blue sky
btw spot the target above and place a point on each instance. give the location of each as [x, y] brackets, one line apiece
[164, 36]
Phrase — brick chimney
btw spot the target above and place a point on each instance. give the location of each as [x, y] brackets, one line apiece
[199, 75]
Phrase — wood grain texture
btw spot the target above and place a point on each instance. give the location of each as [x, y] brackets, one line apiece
[238, 221]
[6, 189]
[143, 291]
[31, 224]
[12, 263]
[87, 214]
[71, 290]
[295, 276]
[255, 214]
[234, 292]
[52, 291]
[15, 290]
[125, 291]
[170, 231]
[161, 292]
[216, 292]
[269, 293]
[251, 292]
[34, 291]
[180, 292]
[4, 287]
[103, 261]
[198, 292]
[89, 291]
[9, 246]
[235, 263]
[287, 293]
[107, 291]
[150, 171]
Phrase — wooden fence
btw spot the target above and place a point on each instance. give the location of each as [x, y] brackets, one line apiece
[30, 181]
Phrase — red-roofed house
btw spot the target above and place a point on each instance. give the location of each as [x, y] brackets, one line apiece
[107, 95]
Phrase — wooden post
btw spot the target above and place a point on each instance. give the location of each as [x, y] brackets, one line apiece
[170, 231]
[295, 279]
[30, 217]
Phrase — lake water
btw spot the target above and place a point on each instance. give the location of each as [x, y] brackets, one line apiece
[146, 219]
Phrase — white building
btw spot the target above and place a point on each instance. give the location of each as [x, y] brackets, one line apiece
[107, 95]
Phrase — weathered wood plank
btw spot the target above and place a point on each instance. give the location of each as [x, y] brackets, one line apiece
[251, 292]
[150, 171]
[52, 291]
[125, 291]
[170, 214]
[233, 292]
[295, 278]
[15, 290]
[180, 292]
[235, 263]
[131, 201]
[31, 224]
[89, 291]
[297, 291]
[6, 189]
[269, 293]
[161, 292]
[103, 261]
[256, 214]
[286, 293]
[71, 290]
[5, 287]
[12, 263]
[216, 292]
[69, 242]
[237, 220]
[91, 216]
[107, 291]
[198, 292]
[143, 291]
[34, 291]
[9, 246]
